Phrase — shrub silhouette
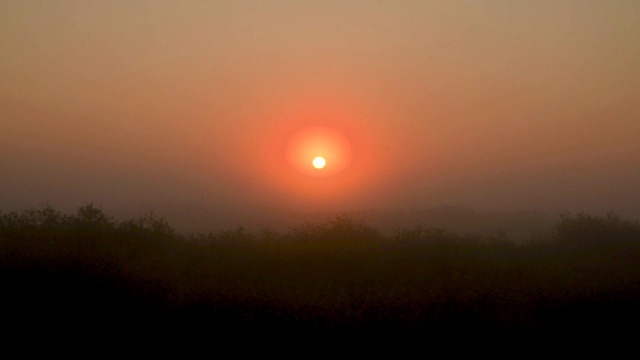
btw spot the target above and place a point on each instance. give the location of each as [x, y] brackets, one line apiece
[588, 229]
[340, 275]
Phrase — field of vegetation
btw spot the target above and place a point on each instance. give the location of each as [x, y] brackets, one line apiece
[341, 276]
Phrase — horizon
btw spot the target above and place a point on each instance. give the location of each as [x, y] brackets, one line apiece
[516, 226]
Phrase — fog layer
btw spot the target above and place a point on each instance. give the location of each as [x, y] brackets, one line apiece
[493, 105]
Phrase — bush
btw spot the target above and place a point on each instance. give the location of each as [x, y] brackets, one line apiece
[584, 229]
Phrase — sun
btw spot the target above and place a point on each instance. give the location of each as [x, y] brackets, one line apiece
[319, 162]
[318, 151]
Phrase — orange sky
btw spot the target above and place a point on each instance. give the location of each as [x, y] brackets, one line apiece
[497, 105]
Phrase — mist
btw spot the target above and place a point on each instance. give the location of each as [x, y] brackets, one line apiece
[185, 108]
[477, 170]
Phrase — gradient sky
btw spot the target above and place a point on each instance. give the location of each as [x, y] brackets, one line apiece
[496, 105]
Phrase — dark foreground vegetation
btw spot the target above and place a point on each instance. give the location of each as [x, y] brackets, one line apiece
[87, 271]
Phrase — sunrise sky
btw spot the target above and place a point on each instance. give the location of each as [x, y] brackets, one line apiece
[495, 105]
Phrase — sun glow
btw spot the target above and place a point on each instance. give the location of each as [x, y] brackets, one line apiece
[305, 146]
[319, 162]
[295, 135]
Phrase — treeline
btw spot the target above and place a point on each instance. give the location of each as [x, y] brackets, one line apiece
[340, 276]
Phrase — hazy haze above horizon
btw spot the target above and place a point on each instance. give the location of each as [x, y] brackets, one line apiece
[495, 105]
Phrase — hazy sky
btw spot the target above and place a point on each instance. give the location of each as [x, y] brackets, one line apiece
[497, 105]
